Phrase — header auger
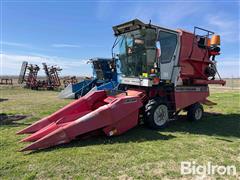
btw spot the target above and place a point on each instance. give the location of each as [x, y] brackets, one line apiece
[163, 71]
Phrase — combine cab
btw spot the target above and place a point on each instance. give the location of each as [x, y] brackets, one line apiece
[163, 71]
[104, 78]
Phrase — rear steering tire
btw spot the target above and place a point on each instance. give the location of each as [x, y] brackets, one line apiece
[195, 112]
[156, 114]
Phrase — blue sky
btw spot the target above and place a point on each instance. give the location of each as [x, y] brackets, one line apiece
[67, 33]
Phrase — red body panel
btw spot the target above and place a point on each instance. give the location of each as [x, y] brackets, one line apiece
[116, 115]
[184, 99]
[205, 82]
[69, 112]
[193, 60]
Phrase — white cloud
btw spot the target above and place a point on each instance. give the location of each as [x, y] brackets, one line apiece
[163, 14]
[177, 13]
[105, 9]
[56, 45]
[11, 64]
[174, 15]
[185, 15]
[225, 26]
[15, 44]
[20, 45]
[66, 46]
[220, 22]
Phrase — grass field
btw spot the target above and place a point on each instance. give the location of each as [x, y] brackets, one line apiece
[139, 154]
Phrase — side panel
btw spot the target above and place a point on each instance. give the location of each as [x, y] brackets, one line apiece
[193, 59]
[136, 81]
[185, 96]
[108, 86]
[76, 87]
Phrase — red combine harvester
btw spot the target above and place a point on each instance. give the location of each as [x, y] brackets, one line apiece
[163, 71]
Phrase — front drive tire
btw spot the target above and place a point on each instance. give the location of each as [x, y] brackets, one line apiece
[195, 112]
[156, 114]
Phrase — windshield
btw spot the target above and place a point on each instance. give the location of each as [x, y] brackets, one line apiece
[137, 52]
[104, 69]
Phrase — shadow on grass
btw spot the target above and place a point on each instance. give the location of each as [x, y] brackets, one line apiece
[225, 125]
[137, 134]
[3, 99]
[11, 120]
[212, 124]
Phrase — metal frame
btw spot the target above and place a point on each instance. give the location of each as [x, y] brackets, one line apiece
[202, 29]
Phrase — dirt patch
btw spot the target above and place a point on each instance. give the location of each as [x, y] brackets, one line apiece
[6, 119]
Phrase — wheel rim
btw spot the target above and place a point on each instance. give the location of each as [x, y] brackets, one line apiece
[161, 115]
[198, 114]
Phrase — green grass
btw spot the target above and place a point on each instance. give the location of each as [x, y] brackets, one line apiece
[140, 153]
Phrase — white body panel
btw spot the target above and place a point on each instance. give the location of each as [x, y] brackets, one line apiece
[136, 81]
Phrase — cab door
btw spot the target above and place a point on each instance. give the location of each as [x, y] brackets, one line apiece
[168, 55]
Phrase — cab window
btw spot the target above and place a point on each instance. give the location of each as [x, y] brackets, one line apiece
[168, 42]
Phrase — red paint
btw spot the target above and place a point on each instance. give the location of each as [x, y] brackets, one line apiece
[184, 99]
[77, 107]
[193, 60]
[119, 113]
[199, 81]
